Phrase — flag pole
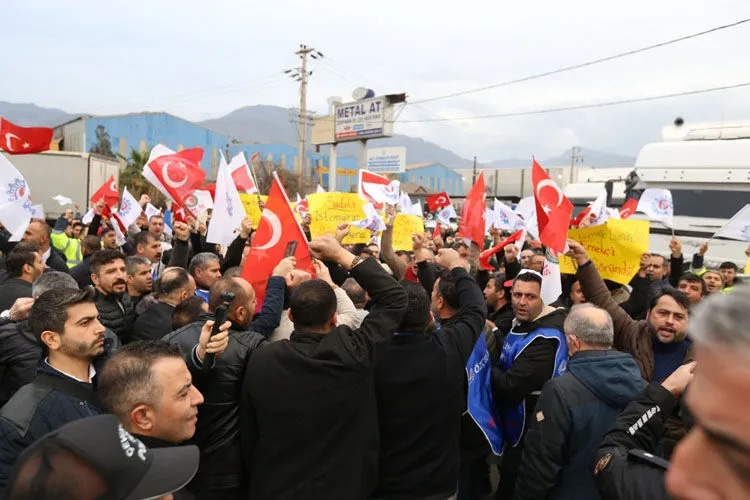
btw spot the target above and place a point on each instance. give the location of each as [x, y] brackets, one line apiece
[257, 187]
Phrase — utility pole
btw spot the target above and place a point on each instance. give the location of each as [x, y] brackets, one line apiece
[474, 174]
[575, 159]
[301, 75]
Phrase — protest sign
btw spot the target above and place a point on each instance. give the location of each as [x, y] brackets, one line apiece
[403, 227]
[328, 210]
[250, 203]
[615, 247]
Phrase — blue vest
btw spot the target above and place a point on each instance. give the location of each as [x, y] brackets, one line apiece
[513, 416]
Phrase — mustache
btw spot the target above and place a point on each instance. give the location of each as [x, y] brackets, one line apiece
[119, 281]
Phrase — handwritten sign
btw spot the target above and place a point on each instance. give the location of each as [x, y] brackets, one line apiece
[252, 210]
[250, 203]
[403, 227]
[328, 210]
[615, 247]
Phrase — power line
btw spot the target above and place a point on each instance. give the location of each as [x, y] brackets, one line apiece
[585, 106]
[583, 65]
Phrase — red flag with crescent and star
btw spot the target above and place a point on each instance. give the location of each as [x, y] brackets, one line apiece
[24, 140]
[107, 192]
[472, 224]
[175, 174]
[436, 201]
[628, 208]
[278, 226]
[553, 210]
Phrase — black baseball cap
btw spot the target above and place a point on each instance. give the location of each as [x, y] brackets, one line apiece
[130, 470]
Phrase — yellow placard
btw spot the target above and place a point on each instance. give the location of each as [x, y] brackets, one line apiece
[747, 266]
[615, 247]
[328, 210]
[250, 203]
[403, 227]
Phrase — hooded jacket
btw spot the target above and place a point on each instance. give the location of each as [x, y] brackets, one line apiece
[572, 415]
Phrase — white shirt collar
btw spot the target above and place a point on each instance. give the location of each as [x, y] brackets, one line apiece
[46, 255]
[92, 372]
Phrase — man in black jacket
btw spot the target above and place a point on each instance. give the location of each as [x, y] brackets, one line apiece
[420, 388]
[533, 352]
[24, 265]
[39, 232]
[576, 409]
[221, 474]
[66, 322]
[115, 308]
[20, 350]
[175, 285]
[712, 460]
[628, 465]
[309, 424]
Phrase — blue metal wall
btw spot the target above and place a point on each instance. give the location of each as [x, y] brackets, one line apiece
[435, 178]
[155, 128]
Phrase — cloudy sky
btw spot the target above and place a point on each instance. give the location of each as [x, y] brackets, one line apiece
[202, 60]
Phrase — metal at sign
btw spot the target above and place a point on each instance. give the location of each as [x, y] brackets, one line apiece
[386, 160]
[366, 119]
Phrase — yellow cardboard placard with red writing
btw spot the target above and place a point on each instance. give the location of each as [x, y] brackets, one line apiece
[253, 211]
[615, 247]
[403, 227]
[328, 210]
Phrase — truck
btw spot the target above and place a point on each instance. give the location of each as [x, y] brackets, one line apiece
[71, 174]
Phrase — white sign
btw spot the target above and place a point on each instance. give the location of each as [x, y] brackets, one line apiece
[386, 159]
[366, 119]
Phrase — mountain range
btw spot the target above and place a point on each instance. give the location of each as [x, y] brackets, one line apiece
[271, 124]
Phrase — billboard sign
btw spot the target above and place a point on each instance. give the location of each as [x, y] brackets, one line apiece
[386, 160]
[365, 119]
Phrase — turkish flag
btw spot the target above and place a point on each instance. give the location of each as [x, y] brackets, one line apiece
[436, 231]
[377, 189]
[628, 208]
[553, 210]
[439, 200]
[472, 224]
[241, 174]
[179, 213]
[278, 226]
[175, 174]
[24, 140]
[584, 213]
[484, 257]
[107, 192]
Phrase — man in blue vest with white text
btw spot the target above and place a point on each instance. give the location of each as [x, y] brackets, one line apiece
[533, 352]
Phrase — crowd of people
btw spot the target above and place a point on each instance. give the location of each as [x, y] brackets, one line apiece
[115, 381]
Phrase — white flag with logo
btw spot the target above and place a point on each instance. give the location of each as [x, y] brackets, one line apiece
[526, 208]
[373, 221]
[16, 208]
[446, 214]
[598, 213]
[228, 210]
[151, 211]
[507, 219]
[551, 278]
[409, 208]
[130, 209]
[199, 201]
[738, 227]
[657, 204]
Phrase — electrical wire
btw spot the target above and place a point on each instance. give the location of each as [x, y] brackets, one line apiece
[584, 106]
[585, 64]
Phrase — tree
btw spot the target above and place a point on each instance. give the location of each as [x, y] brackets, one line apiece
[292, 182]
[103, 144]
[132, 177]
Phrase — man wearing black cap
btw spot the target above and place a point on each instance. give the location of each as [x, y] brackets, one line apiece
[67, 323]
[96, 458]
